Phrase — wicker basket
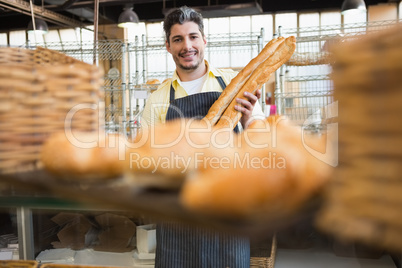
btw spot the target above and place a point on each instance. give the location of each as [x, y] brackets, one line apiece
[18, 264]
[59, 265]
[364, 202]
[265, 256]
[42, 92]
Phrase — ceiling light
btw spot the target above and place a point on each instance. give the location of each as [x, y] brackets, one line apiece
[128, 18]
[353, 6]
[39, 27]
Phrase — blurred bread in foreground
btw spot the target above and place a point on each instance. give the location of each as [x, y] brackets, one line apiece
[270, 171]
[84, 155]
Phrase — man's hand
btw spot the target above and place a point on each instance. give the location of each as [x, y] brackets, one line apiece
[246, 106]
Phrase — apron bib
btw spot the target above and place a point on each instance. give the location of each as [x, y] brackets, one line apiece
[182, 246]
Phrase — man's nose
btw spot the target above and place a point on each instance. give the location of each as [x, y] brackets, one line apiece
[187, 43]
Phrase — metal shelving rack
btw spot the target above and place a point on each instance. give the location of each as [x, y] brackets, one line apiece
[304, 90]
[133, 59]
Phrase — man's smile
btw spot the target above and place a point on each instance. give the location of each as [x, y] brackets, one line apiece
[188, 55]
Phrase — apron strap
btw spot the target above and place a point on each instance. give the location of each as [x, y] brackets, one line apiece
[221, 82]
[172, 91]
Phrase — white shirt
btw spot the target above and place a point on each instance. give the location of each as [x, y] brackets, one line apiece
[195, 86]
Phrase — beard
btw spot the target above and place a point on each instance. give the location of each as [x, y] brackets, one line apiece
[193, 66]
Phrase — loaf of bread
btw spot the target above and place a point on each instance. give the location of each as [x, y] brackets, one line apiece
[260, 76]
[84, 156]
[238, 81]
[270, 171]
[162, 155]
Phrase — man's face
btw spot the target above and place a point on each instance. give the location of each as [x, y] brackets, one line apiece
[186, 44]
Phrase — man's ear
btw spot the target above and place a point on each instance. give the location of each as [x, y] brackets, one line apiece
[167, 46]
[205, 40]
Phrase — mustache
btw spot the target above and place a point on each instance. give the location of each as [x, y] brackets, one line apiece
[188, 51]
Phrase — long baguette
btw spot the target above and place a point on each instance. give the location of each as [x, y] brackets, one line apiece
[260, 76]
[238, 81]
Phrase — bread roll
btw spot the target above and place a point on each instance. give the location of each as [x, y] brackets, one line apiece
[84, 156]
[238, 192]
[153, 82]
[259, 77]
[164, 154]
[238, 81]
[270, 171]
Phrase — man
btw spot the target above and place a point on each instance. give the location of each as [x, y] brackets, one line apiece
[190, 93]
[186, 42]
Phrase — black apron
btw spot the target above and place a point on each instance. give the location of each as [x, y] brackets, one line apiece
[182, 246]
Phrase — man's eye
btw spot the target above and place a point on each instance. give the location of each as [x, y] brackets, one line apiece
[176, 40]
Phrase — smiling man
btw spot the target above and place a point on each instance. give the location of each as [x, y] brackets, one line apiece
[195, 84]
[194, 87]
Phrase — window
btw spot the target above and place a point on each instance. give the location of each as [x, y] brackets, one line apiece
[219, 32]
[68, 35]
[263, 21]
[17, 38]
[400, 10]
[309, 20]
[35, 38]
[52, 36]
[330, 18]
[85, 34]
[286, 20]
[153, 30]
[240, 31]
[351, 18]
[218, 25]
[3, 39]
[239, 24]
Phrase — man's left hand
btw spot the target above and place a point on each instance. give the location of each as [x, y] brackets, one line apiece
[246, 106]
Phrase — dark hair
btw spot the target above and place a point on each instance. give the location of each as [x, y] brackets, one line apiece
[180, 16]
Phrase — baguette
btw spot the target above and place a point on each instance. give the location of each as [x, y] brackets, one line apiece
[238, 81]
[259, 77]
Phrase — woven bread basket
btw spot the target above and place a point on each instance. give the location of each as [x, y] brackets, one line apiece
[60, 265]
[18, 264]
[363, 203]
[43, 92]
[265, 256]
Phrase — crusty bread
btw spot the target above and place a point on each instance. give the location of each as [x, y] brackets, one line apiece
[260, 76]
[153, 82]
[269, 172]
[235, 192]
[238, 81]
[84, 156]
[164, 154]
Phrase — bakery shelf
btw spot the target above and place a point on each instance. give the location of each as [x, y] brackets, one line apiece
[39, 190]
[304, 86]
[135, 60]
[43, 190]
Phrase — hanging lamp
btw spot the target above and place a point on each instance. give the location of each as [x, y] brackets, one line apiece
[39, 26]
[353, 6]
[128, 18]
